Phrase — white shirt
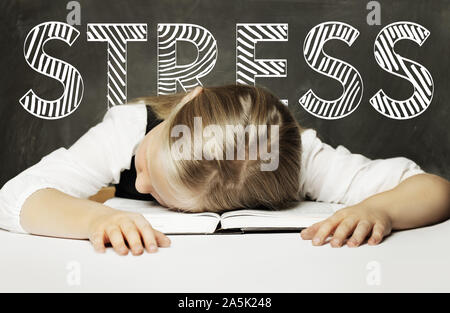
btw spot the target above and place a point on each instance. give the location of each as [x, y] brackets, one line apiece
[97, 158]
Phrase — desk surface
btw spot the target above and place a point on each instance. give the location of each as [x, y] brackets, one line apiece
[413, 260]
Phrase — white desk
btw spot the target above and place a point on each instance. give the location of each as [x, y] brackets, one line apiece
[413, 260]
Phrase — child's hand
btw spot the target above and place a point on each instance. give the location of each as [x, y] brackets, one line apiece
[359, 221]
[116, 227]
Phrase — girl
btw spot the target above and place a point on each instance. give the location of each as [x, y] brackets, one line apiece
[133, 148]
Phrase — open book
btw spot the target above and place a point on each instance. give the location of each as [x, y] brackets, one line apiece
[302, 215]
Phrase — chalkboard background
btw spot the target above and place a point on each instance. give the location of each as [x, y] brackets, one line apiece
[25, 139]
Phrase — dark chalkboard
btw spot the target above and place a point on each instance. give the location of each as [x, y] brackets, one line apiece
[26, 138]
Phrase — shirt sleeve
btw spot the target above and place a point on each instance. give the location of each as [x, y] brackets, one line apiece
[339, 176]
[92, 162]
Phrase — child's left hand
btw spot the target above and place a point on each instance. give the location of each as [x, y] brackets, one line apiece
[359, 221]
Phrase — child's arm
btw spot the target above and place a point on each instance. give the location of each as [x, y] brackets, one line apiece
[394, 192]
[417, 201]
[50, 212]
[53, 193]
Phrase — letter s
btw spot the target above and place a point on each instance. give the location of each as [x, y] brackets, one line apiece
[49, 66]
[343, 72]
[395, 64]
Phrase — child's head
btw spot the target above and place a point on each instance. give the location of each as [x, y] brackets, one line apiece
[221, 148]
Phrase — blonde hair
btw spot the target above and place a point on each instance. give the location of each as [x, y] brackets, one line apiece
[219, 185]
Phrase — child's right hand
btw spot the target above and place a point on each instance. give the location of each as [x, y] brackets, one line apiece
[117, 227]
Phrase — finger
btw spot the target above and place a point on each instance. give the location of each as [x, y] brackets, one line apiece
[324, 231]
[116, 238]
[131, 234]
[344, 230]
[163, 240]
[308, 233]
[97, 240]
[360, 233]
[148, 235]
[378, 232]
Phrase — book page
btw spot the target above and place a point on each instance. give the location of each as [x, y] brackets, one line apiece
[301, 215]
[168, 221]
[302, 208]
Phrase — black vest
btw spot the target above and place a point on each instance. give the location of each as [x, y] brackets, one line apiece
[126, 186]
